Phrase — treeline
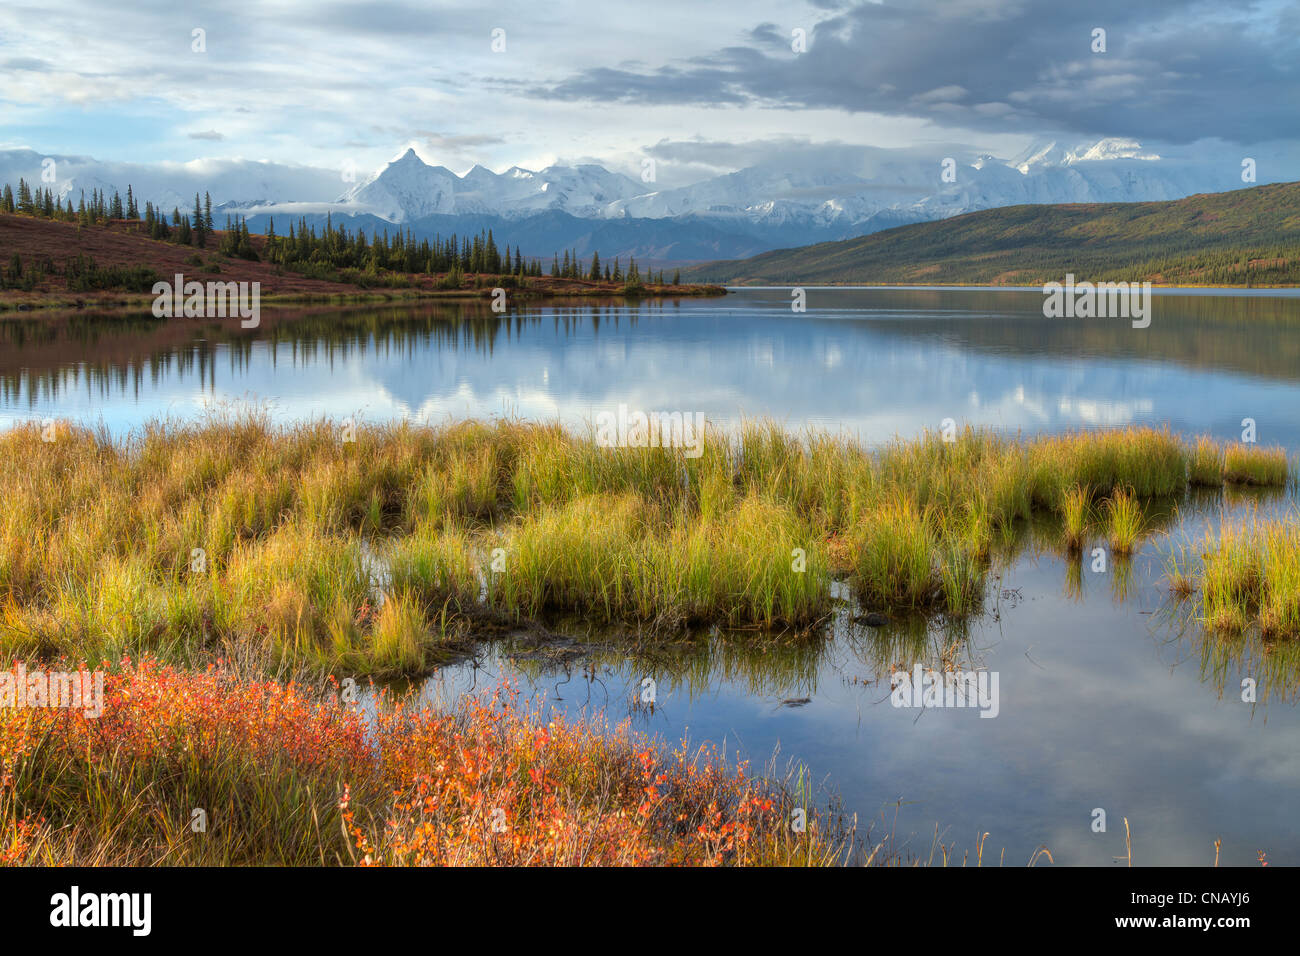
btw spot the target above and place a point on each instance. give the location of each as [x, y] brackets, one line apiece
[336, 249]
[333, 253]
[80, 274]
[99, 209]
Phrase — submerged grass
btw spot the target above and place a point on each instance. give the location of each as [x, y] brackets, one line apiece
[1076, 506]
[1124, 522]
[368, 548]
[1248, 576]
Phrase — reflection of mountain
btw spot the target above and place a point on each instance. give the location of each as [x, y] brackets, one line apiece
[875, 362]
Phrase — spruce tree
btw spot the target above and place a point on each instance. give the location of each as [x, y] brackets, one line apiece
[200, 234]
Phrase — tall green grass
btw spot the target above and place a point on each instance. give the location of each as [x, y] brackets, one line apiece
[1248, 577]
[327, 546]
[1124, 522]
[1076, 505]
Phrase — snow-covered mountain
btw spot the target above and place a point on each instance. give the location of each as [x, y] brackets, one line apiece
[893, 186]
[408, 190]
[886, 186]
[842, 193]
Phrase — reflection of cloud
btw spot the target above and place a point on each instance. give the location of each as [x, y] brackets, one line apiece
[1105, 412]
[1091, 717]
[1097, 709]
[872, 369]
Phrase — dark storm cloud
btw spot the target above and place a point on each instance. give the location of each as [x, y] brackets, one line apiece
[1173, 70]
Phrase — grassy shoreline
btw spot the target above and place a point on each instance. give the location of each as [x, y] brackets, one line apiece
[216, 571]
[383, 549]
[24, 302]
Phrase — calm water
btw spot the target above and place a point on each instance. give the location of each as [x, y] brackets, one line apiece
[1108, 697]
[875, 362]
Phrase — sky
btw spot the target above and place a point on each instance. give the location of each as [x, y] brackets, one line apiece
[700, 87]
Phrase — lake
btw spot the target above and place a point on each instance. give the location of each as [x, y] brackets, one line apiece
[1108, 697]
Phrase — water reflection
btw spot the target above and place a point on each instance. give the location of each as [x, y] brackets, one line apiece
[873, 362]
[1110, 696]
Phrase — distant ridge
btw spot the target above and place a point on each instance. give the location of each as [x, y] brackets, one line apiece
[1243, 237]
[783, 201]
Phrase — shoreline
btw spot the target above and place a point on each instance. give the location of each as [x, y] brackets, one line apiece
[62, 302]
[984, 287]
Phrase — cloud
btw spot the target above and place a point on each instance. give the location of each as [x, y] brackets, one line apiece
[1175, 70]
[324, 81]
[453, 142]
[207, 134]
[29, 64]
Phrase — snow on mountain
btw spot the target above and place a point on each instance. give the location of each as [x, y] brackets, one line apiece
[909, 186]
[843, 192]
[407, 189]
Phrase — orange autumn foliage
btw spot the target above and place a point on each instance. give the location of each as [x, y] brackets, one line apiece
[292, 776]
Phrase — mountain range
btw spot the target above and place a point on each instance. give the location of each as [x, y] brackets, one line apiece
[847, 193]
[1243, 237]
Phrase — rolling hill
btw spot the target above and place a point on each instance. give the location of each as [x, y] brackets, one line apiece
[51, 264]
[1243, 237]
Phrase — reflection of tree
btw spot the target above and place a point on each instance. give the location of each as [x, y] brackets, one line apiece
[117, 354]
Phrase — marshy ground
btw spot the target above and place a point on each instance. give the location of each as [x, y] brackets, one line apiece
[381, 550]
[376, 549]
